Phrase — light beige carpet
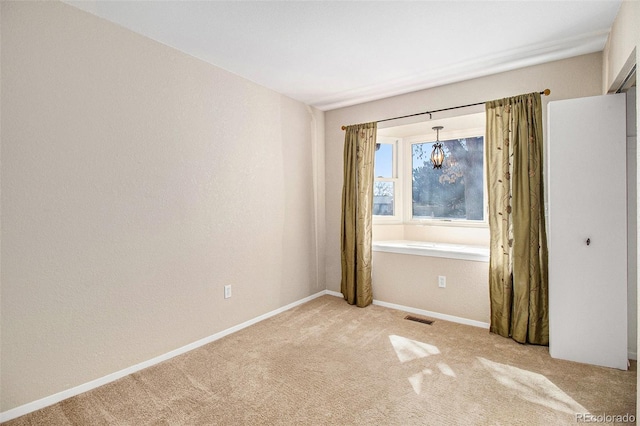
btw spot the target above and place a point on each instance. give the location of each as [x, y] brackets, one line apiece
[326, 362]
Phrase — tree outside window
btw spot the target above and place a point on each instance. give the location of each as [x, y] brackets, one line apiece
[457, 190]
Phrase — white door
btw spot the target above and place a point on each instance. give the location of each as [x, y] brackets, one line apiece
[587, 230]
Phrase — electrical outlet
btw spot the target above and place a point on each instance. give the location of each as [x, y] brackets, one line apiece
[227, 291]
[442, 281]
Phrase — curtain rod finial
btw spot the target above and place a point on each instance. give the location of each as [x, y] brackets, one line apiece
[344, 127]
[547, 92]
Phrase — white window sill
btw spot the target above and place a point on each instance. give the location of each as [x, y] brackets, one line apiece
[430, 249]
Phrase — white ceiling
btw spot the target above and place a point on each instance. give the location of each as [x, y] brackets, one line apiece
[332, 54]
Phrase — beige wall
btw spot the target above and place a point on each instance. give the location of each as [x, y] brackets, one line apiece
[620, 53]
[136, 182]
[571, 78]
[412, 281]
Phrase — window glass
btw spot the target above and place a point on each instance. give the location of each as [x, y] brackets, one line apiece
[383, 198]
[383, 166]
[384, 186]
[456, 191]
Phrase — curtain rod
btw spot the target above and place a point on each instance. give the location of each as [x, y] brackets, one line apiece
[545, 92]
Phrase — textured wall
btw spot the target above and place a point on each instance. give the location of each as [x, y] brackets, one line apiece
[623, 46]
[413, 281]
[136, 182]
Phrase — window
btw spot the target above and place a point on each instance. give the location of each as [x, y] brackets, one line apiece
[454, 192]
[407, 189]
[385, 186]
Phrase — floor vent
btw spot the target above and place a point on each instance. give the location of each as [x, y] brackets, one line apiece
[418, 319]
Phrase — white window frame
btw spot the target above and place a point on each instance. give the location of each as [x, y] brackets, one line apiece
[397, 172]
[407, 180]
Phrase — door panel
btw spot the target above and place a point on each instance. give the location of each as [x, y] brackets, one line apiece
[587, 230]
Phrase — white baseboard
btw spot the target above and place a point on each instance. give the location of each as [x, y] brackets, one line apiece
[60, 396]
[422, 312]
[431, 314]
[632, 355]
[334, 293]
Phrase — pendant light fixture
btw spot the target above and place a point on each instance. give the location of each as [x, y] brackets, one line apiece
[437, 155]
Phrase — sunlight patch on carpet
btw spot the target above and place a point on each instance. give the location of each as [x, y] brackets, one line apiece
[408, 350]
[532, 387]
[445, 369]
[417, 379]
